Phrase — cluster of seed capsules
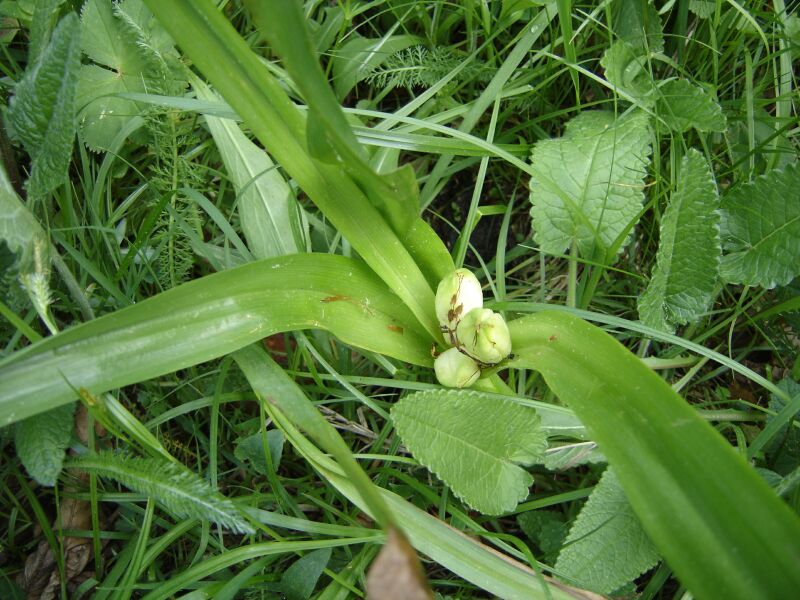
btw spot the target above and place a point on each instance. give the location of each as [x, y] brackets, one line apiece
[479, 336]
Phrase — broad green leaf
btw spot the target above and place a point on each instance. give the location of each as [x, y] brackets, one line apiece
[761, 230]
[626, 67]
[251, 449]
[286, 403]
[682, 284]
[683, 106]
[676, 470]
[181, 491]
[19, 228]
[42, 440]
[42, 111]
[265, 200]
[545, 528]
[357, 57]
[587, 185]
[606, 546]
[703, 8]
[473, 443]
[254, 93]
[207, 318]
[637, 22]
[131, 53]
[300, 579]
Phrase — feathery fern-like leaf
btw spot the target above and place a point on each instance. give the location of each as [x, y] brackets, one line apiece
[181, 491]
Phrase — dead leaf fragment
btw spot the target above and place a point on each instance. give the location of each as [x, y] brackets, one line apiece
[396, 573]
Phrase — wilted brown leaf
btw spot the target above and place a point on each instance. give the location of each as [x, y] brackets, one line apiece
[396, 573]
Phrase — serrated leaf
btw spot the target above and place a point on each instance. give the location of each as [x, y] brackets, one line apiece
[606, 546]
[181, 491]
[42, 112]
[300, 579]
[683, 281]
[637, 22]
[626, 68]
[703, 8]
[546, 528]
[265, 200]
[683, 106]
[473, 443]
[45, 16]
[251, 449]
[41, 441]
[587, 185]
[760, 228]
[356, 59]
[133, 54]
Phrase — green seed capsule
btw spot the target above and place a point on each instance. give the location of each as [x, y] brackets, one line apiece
[483, 334]
[457, 370]
[457, 294]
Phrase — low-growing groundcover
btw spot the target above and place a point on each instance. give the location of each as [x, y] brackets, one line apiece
[235, 238]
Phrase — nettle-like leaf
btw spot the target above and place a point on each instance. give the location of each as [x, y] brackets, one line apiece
[181, 491]
[546, 528]
[606, 546]
[42, 112]
[474, 443]
[683, 281]
[761, 230]
[638, 24]
[132, 54]
[41, 441]
[626, 67]
[704, 9]
[683, 106]
[587, 185]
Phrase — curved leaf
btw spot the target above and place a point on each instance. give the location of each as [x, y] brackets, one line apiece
[678, 473]
[587, 185]
[606, 546]
[761, 230]
[211, 317]
[687, 262]
[473, 443]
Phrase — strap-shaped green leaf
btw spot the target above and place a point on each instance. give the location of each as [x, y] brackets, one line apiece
[587, 185]
[265, 200]
[687, 262]
[474, 443]
[761, 230]
[239, 75]
[207, 318]
[717, 523]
